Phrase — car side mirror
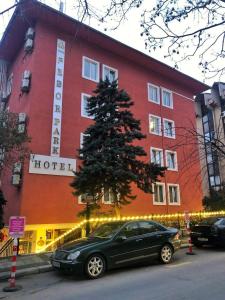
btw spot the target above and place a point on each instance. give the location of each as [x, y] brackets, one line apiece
[121, 238]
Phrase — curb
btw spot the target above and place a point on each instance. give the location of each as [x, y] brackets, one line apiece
[27, 271]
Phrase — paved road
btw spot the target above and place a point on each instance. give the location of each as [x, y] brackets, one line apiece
[187, 278]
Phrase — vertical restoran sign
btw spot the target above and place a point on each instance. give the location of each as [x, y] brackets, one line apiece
[58, 99]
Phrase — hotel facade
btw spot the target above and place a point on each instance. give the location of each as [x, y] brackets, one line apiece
[49, 65]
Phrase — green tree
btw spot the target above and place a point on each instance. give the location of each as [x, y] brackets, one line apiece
[13, 141]
[110, 156]
[2, 204]
[13, 147]
[215, 200]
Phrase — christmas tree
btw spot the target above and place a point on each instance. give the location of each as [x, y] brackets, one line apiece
[111, 161]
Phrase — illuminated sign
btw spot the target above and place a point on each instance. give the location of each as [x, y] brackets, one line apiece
[58, 98]
[50, 165]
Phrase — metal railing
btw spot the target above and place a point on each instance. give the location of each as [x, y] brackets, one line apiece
[7, 248]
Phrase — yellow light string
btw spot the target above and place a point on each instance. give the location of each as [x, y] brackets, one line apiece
[128, 218]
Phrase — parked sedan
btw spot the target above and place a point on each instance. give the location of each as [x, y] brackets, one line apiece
[117, 244]
[209, 231]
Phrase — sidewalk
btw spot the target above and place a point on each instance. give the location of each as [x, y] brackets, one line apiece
[35, 263]
[25, 264]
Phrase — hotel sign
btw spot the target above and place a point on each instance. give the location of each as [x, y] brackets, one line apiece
[50, 165]
[58, 99]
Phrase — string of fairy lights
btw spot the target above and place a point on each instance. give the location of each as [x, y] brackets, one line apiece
[132, 218]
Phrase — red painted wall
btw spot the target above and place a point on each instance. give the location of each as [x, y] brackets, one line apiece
[48, 199]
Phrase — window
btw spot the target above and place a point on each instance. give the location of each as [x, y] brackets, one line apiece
[130, 230]
[167, 98]
[157, 156]
[90, 69]
[81, 199]
[171, 160]
[109, 72]
[153, 93]
[174, 194]
[159, 194]
[169, 128]
[84, 100]
[108, 197]
[148, 227]
[155, 125]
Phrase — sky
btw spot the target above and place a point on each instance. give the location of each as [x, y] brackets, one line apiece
[128, 33]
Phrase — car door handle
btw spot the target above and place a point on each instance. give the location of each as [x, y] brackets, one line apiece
[139, 240]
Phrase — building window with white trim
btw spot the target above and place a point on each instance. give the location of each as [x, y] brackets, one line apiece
[155, 125]
[84, 101]
[167, 98]
[82, 199]
[107, 197]
[110, 73]
[157, 156]
[153, 93]
[169, 128]
[90, 69]
[171, 160]
[174, 194]
[159, 193]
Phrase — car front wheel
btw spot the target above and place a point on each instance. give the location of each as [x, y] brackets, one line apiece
[166, 254]
[95, 266]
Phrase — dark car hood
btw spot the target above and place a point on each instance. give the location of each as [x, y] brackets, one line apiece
[82, 243]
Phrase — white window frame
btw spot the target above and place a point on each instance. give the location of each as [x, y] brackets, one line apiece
[160, 124]
[79, 200]
[158, 93]
[82, 106]
[106, 202]
[151, 155]
[175, 159]
[164, 193]
[113, 69]
[173, 129]
[178, 194]
[171, 97]
[85, 58]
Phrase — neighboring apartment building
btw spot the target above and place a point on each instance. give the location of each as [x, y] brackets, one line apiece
[210, 115]
[49, 65]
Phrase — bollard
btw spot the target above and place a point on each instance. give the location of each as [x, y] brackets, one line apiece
[190, 252]
[12, 281]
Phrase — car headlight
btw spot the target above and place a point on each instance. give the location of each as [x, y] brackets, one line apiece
[73, 256]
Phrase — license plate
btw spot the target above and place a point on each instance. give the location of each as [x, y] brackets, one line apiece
[56, 264]
[202, 239]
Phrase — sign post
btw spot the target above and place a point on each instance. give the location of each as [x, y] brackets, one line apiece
[187, 221]
[16, 230]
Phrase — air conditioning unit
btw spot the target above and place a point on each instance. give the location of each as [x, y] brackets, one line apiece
[21, 128]
[29, 44]
[30, 33]
[17, 168]
[26, 74]
[16, 179]
[25, 86]
[4, 97]
[22, 117]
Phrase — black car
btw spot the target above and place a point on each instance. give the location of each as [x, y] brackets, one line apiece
[117, 244]
[209, 231]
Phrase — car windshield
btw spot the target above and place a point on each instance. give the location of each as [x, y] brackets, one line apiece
[210, 221]
[107, 230]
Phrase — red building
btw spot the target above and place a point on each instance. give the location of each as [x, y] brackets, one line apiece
[53, 63]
